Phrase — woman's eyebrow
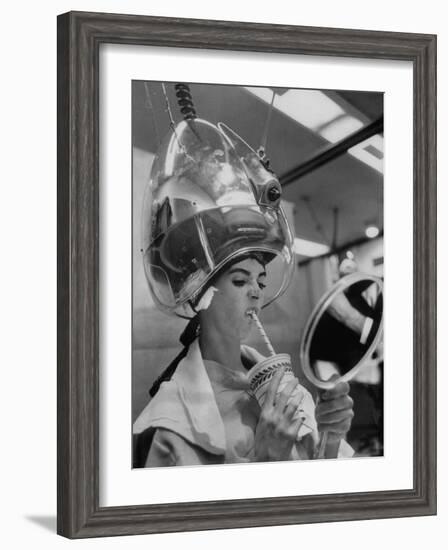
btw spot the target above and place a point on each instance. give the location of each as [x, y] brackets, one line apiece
[246, 272]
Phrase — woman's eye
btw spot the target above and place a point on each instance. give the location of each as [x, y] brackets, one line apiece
[241, 282]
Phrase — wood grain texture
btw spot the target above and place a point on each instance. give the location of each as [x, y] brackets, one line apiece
[79, 38]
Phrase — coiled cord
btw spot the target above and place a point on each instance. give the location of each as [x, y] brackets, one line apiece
[185, 101]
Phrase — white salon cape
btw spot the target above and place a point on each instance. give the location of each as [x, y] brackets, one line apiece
[206, 415]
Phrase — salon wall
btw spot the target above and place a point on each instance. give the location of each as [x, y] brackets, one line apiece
[369, 256]
[28, 275]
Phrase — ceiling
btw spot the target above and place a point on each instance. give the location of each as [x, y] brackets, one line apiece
[346, 184]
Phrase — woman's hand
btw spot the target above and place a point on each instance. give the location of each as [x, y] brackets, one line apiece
[334, 413]
[277, 428]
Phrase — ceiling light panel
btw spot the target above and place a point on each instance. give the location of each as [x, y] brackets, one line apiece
[362, 153]
[340, 128]
[309, 248]
[311, 108]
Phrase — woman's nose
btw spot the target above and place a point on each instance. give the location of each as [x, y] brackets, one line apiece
[254, 292]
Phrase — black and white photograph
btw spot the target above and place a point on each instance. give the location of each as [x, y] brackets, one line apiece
[257, 274]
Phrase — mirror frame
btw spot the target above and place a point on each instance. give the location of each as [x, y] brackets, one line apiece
[313, 320]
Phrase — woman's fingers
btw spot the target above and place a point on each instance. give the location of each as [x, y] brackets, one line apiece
[334, 412]
[273, 387]
[335, 417]
[293, 405]
[338, 404]
[291, 420]
[341, 388]
[282, 398]
[340, 428]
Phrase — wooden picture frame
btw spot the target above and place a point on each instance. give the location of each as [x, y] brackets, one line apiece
[79, 38]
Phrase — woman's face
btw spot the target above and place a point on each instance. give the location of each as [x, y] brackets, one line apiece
[240, 291]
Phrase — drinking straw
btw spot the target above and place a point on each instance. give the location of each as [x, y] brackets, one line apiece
[263, 333]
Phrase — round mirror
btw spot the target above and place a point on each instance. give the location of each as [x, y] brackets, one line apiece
[343, 330]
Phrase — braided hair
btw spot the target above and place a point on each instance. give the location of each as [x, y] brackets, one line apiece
[187, 337]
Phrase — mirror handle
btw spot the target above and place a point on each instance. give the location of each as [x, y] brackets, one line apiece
[322, 445]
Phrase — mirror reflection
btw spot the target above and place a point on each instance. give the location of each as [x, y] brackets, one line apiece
[345, 328]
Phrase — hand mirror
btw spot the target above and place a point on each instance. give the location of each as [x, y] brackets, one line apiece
[343, 330]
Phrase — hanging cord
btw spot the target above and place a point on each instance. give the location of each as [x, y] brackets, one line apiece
[186, 105]
[315, 219]
[334, 242]
[168, 108]
[262, 149]
[149, 105]
[185, 101]
[172, 123]
[188, 336]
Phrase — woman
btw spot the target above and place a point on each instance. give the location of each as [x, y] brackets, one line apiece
[206, 413]
[215, 227]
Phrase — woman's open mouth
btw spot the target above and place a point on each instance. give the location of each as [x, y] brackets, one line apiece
[251, 311]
